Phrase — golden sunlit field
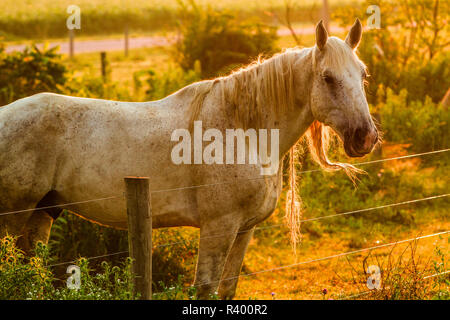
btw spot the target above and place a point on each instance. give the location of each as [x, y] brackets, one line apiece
[405, 186]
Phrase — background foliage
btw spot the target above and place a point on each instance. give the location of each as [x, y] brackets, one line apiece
[408, 62]
[28, 72]
[218, 41]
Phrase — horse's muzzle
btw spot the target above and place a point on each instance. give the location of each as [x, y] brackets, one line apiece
[360, 141]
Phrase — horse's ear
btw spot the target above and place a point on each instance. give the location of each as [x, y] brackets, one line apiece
[354, 36]
[321, 35]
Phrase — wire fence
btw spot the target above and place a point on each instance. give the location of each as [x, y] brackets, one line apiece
[265, 227]
[89, 258]
[311, 219]
[327, 258]
[301, 172]
[59, 205]
[216, 184]
[437, 274]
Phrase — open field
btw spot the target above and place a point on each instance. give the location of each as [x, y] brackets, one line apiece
[46, 19]
[345, 276]
[158, 58]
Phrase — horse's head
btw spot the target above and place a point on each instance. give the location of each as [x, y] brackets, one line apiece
[338, 98]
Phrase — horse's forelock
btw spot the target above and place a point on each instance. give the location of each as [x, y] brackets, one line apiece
[337, 55]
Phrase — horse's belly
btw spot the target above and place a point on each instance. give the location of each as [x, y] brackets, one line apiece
[178, 209]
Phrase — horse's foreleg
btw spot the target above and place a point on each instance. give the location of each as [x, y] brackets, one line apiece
[227, 288]
[215, 244]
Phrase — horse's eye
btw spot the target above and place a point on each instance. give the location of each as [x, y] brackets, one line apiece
[328, 79]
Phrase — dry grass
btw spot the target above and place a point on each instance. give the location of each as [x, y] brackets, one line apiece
[402, 267]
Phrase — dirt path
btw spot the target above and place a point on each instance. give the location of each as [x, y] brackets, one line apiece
[86, 46]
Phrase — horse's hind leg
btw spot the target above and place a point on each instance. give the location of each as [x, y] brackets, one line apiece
[227, 288]
[39, 225]
[37, 229]
[215, 244]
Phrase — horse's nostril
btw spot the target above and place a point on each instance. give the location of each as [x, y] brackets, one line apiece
[364, 138]
[359, 136]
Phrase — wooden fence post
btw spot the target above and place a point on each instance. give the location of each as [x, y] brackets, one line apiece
[105, 69]
[126, 35]
[140, 233]
[103, 65]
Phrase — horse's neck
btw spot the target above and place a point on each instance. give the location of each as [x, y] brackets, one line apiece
[296, 121]
[292, 125]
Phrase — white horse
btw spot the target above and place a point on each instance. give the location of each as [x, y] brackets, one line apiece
[56, 149]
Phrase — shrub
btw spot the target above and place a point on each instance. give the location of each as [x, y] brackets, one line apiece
[95, 87]
[22, 279]
[218, 41]
[158, 86]
[426, 125]
[110, 283]
[409, 51]
[173, 260]
[31, 71]
[29, 278]
[441, 283]
[420, 78]
[72, 237]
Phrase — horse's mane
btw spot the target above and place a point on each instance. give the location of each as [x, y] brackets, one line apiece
[262, 84]
[270, 84]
